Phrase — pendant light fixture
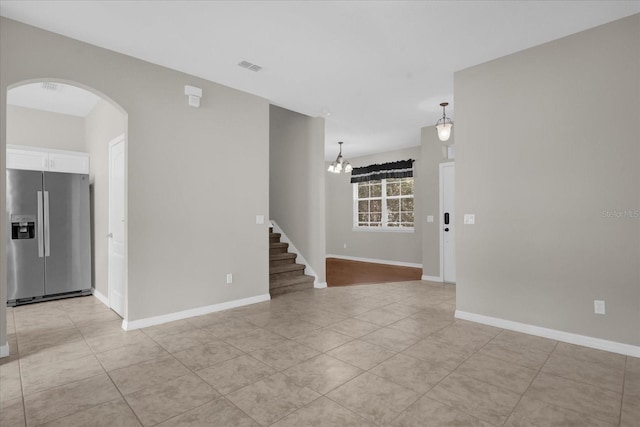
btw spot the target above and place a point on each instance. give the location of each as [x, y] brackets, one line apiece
[444, 125]
[340, 164]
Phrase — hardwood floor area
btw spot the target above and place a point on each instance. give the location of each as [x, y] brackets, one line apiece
[342, 272]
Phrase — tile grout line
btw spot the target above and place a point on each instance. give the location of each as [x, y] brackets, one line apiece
[390, 380]
[248, 354]
[624, 381]
[110, 379]
[420, 395]
[135, 364]
[350, 410]
[325, 395]
[221, 396]
[289, 305]
[321, 395]
[532, 381]
[454, 370]
[24, 404]
[580, 381]
[560, 376]
[539, 369]
[75, 326]
[105, 372]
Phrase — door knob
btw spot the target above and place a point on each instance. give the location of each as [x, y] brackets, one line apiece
[446, 229]
[110, 235]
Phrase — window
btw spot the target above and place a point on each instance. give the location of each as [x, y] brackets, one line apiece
[385, 204]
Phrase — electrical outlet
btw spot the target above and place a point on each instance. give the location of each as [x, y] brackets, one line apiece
[229, 279]
[345, 246]
[429, 218]
[598, 307]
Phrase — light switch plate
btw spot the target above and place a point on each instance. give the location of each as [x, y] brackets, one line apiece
[259, 219]
[429, 218]
[598, 307]
[469, 218]
[229, 279]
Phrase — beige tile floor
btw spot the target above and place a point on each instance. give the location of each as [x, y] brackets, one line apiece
[388, 354]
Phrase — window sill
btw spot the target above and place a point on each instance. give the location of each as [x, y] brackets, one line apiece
[385, 229]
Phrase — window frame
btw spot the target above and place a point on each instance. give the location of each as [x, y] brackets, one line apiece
[383, 196]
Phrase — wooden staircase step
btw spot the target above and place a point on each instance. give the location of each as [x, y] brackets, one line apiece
[284, 274]
[274, 237]
[290, 284]
[291, 281]
[282, 258]
[276, 248]
[293, 288]
[285, 270]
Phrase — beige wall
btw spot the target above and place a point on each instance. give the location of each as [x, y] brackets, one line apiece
[548, 142]
[103, 124]
[296, 183]
[36, 128]
[432, 156]
[384, 246]
[191, 211]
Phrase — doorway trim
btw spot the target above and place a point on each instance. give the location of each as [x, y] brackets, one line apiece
[4, 347]
[441, 167]
[117, 140]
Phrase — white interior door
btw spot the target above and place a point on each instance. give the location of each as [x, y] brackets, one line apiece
[448, 221]
[116, 225]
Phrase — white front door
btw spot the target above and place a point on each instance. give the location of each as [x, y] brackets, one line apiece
[116, 225]
[448, 221]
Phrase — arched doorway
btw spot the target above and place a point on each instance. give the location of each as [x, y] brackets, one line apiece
[58, 115]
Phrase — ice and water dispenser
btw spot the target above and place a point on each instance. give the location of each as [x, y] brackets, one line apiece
[23, 227]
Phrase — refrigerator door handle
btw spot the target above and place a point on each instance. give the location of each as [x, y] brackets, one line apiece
[47, 246]
[40, 227]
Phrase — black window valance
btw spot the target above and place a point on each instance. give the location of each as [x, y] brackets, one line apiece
[399, 169]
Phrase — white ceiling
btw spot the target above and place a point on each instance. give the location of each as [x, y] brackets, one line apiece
[379, 67]
[65, 99]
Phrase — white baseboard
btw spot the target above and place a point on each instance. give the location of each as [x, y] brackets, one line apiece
[300, 258]
[583, 340]
[100, 296]
[375, 261]
[432, 278]
[4, 350]
[179, 315]
[320, 285]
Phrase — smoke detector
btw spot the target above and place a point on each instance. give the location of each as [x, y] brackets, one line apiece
[54, 87]
[249, 66]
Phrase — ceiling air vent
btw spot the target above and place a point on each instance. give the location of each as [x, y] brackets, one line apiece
[51, 86]
[249, 66]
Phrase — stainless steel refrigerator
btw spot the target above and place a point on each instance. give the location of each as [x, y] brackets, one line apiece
[48, 240]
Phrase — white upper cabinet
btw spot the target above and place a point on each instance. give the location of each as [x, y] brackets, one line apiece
[70, 161]
[43, 159]
[27, 159]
